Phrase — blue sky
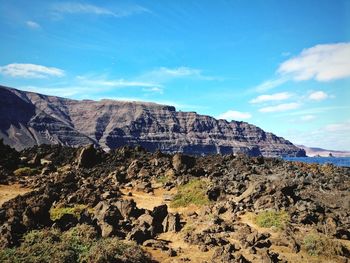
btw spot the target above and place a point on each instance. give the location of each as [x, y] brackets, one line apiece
[281, 65]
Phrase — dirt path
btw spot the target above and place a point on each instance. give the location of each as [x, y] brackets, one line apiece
[8, 192]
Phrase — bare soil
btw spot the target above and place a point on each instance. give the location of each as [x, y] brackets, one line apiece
[8, 192]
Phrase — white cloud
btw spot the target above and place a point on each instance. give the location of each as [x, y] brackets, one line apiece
[318, 95]
[273, 97]
[280, 107]
[30, 71]
[164, 74]
[33, 25]
[82, 8]
[234, 115]
[307, 117]
[153, 89]
[115, 83]
[321, 62]
[270, 84]
[178, 72]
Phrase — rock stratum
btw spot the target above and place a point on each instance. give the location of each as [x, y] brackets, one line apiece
[28, 119]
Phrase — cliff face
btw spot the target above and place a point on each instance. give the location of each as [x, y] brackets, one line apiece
[28, 119]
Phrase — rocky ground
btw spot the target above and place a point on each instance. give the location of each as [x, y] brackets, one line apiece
[129, 205]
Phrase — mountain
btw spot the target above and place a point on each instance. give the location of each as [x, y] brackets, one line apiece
[314, 151]
[28, 119]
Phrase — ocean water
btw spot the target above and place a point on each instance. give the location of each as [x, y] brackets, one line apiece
[338, 161]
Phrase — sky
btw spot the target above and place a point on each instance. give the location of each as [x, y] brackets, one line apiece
[281, 65]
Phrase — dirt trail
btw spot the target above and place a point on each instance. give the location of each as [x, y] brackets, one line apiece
[146, 200]
[8, 192]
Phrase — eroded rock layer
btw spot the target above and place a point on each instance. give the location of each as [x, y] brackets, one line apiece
[28, 119]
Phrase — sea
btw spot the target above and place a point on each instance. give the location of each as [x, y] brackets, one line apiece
[338, 161]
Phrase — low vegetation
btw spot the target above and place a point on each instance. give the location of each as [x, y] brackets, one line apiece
[57, 212]
[194, 192]
[316, 244]
[163, 179]
[25, 171]
[272, 219]
[79, 244]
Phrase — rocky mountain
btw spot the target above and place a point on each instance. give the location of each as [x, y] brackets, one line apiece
[315, 151]
[28, 119]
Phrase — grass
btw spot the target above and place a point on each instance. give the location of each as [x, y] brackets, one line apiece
[275, 219]
[320, 245]
[194, 192]
[79, 244]
[57, 212]
[162, 179]
[25, 171]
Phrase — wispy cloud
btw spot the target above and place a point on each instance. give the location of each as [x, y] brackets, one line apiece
[234, 115]
[271, 97]
[83, 8]
[164, 74]
[322, 63]
[339, 127]
[30, 71]
[66, 91]
[154, 89]
[280, 107]
[116, 83]
[32, 24]
[318, 95]
[307, 117]
[270, 84]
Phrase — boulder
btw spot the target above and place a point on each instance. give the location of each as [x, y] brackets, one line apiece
[87, 157]
[159, 213]
[171, 223]
[107, 217]
[182, 162]
[127, 208]
[133, 169]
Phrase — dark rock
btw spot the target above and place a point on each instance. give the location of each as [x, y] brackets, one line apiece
[159, 213]
[128, 208]
[182, 162]
[107, 217]
[88, 157]
[66, 222]
[140, 234]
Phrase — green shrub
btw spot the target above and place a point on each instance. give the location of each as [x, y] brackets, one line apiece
[57, 212]
[194, 192]
[79, 244]
[320, 245]
[276, 219]
[115, 251]
[25, 171]
[39, 246]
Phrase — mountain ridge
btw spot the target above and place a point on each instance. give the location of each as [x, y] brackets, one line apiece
[29, 118]
[317, 151]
